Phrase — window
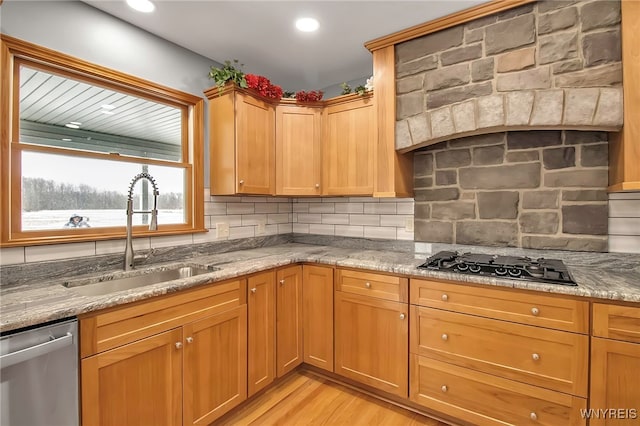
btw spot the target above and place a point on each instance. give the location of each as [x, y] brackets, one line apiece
[77, 135]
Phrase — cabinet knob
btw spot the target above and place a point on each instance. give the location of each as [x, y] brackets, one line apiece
[444, 298]
[445, 337]
[367, 285]
[535, 311]
[535, 357]
[281, 282]
[444, 388]
[189, 339]
[533, 416]
[317, 185]
[402, 316]
[241, 181]
[178, 345]
[253, 290]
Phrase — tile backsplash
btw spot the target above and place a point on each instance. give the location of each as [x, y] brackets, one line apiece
[360, 217]
[624, 222]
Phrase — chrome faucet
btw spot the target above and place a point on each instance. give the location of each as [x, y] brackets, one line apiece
[128, 250]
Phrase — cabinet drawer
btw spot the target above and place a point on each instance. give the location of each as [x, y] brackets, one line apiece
[482, 399]
[616, 322]
[552, 359]
[382, 286]
[509, 305]
[117, 326]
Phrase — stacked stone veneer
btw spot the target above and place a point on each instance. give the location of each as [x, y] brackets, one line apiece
[539, 189]
[545, 65]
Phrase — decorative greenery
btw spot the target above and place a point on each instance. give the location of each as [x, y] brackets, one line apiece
[288, 94]
[360, 90]
[346, 89]
[228, 72]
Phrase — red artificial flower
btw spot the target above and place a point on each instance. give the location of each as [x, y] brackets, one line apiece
[263, 86]
[312, 96]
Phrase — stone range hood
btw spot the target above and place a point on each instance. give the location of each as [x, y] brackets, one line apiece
[509, 116]
[547, 65]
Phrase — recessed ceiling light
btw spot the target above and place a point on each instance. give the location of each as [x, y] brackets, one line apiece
[72, 126]
[107, 106]
[104, 111]
[141, 5]
[66, 139]
[307, 25]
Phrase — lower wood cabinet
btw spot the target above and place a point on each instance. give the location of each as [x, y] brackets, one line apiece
[261, 330]
[372, 333]
[484, 399]
[615, 365]
[288, 319]
[215, 359]
[136, 384]
[317, 313]
[178, 359]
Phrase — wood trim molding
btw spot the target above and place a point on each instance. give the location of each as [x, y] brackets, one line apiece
[445, 22]
[24, 49]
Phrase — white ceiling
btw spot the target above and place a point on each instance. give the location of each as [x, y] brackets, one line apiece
[262, 35]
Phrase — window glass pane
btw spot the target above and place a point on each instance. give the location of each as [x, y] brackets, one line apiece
[57, 187]
[60, 111]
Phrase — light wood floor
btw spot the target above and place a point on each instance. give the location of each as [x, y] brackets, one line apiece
[303, 398]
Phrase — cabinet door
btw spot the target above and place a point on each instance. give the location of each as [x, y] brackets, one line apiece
[298, 158]
[372, 342]
[317, 312]
[136, 384]
[215, 365]
[615, 393]
[288, 319]
[255, 134]
[261, 323]
[348, 146]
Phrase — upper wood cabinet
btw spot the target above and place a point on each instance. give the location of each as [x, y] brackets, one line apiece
[333, 147]
[241, 143]
[624, 149]
[298, 150]
[349, 140]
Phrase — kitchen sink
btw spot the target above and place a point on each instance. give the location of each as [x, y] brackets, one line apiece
[110, 284]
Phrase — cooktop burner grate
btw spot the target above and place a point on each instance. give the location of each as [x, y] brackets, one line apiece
[523, 268]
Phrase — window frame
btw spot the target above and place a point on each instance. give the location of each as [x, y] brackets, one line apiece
[15, 52]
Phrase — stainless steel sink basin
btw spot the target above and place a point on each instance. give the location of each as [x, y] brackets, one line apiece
[106, 285]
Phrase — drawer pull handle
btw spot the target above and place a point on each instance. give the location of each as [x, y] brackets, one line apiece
[241, 181]
[281, 282]
[253, 290]
[178, 345]
[445, 337]
[402, 316]
[367, 285]
[535, 357]
[535, 311]
[533, 416]
[189, 339]
[444, 297]
[444, 388]
[317, 185]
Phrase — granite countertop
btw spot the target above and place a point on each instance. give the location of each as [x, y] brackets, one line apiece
[34, 302]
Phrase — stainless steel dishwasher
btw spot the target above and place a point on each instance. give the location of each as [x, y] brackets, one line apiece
[39, 376]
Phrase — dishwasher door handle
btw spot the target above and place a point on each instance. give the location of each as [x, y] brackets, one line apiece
[35, 351]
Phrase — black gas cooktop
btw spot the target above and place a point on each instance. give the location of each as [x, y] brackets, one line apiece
[521, 268]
